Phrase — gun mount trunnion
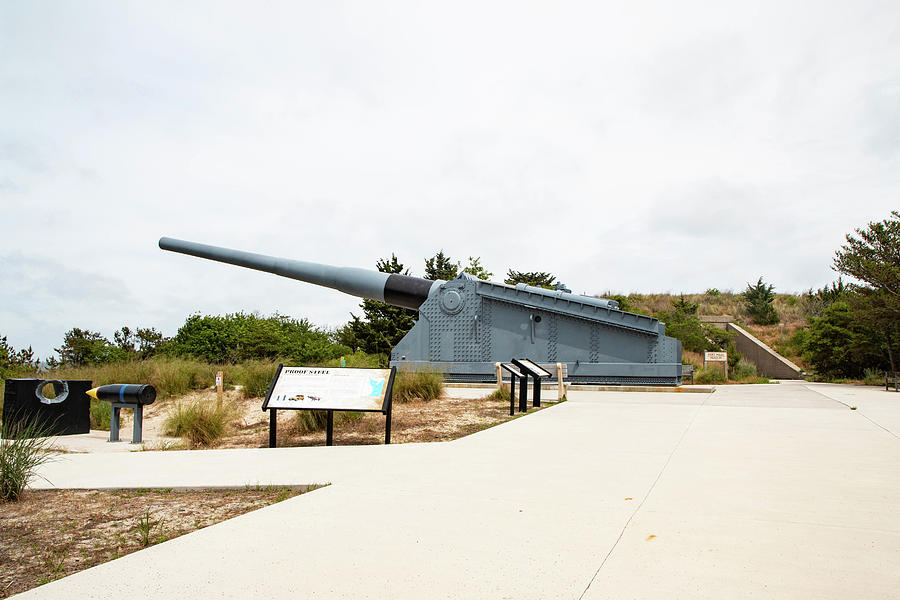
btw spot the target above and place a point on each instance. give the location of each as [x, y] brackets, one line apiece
[467, 325]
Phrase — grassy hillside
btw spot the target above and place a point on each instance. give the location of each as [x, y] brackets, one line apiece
[793, 311]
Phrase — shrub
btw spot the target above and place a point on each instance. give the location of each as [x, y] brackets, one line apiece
[236, 337]
[201, 423]
[23, 448]
[742, 370]
[758, 301]
[873, 376]
[624, 304]
[709, 375]
[426, 384]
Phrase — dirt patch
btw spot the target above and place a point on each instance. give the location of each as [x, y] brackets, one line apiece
[49, 534]
[439, 420]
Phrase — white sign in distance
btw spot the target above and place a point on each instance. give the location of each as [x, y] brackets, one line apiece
[330, 389]
[715, 357]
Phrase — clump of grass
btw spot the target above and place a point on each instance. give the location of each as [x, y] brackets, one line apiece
[23, 448]
[409, 384]
[501, 393]
[200, 423]
[145, 527]
[309, 421]
[101, 413]
[254, 376]
[873, 377]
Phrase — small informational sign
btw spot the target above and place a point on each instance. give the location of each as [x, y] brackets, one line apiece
[219, 379]
[330, 389]
[716, 357]
[512, 369]
[533, 368]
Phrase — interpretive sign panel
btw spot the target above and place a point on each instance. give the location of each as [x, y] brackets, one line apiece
[535, 369]
[330, 389]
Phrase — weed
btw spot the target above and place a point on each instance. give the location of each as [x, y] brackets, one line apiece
[54, 561]
[425, 383]
[23, 448]
[145, 527]
[201, 423]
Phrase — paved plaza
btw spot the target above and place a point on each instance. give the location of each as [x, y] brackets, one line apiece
[765, 491]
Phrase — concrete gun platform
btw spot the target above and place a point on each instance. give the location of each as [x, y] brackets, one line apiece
[767, 491]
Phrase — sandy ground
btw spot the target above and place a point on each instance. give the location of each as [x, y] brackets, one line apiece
[447, 418]
[49, 534]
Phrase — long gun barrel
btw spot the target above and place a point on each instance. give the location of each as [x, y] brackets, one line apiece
[393, 288]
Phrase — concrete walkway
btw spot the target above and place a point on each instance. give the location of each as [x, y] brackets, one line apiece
[769, 491]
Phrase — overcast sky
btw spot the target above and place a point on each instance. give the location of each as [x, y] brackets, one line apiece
[623, 146]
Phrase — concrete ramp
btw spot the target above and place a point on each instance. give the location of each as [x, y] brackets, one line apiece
[768, 362]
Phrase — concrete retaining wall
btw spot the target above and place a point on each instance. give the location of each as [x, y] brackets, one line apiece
[768, 362]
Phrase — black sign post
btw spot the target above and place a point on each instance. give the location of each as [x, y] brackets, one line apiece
[330, 389]
[537, 372]
[514, 373]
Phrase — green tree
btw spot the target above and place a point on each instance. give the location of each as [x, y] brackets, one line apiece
[839, 344]
[535, 278]
[15, 362]
[476, 269]
[149, 341]
[382, 325]
[758, 301]
[440, 266]
[84, 347]
[684, 324]
[872, 256]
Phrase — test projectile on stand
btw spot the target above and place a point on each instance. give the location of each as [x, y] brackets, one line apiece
[125, 395]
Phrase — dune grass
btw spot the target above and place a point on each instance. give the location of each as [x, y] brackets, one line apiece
[200, 423]
[424, 384]
[23, 448]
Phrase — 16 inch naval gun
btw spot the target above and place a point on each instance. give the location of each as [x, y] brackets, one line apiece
[467, 325]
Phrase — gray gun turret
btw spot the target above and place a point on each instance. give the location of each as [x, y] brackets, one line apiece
[467, 325]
